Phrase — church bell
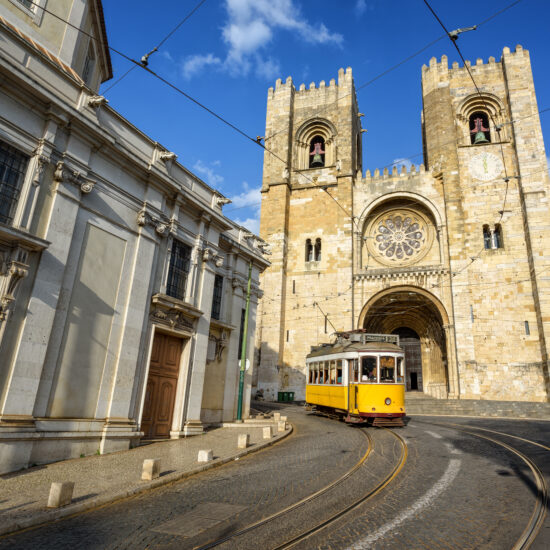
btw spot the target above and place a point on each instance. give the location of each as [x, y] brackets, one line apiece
[317, 161]
[480, 138]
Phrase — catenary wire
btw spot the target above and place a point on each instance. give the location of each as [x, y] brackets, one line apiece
[158, 46]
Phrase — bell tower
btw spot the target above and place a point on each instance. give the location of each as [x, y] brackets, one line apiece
[485, 147]
[312, 157]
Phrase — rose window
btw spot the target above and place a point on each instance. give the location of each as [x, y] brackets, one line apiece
[398, 237]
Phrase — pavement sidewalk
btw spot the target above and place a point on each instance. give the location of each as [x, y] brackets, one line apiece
[102, 479]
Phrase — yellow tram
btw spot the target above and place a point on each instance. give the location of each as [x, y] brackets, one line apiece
[360, 378]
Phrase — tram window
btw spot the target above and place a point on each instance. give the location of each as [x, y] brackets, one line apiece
[368, 369]
[325, 372]
[400, 369]
[387, 368]
[333, 372]
[315, 373]
[339, 372]
[311, 367]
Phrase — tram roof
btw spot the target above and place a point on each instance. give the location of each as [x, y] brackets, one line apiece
[333, 349]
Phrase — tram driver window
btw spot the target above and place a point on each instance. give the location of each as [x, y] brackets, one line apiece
[400, 370]
[368, 369]
[387, 368]
[355, 377]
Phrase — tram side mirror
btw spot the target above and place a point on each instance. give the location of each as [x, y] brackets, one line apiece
[401, 368]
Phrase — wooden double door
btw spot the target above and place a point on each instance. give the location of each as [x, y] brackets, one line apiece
[160, 395]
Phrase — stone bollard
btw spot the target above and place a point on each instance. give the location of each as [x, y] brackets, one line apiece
[61, 494]
[206, 455]
[267, 432]
[151, 469]
[276, 417]
[281, 426]
[244, 440]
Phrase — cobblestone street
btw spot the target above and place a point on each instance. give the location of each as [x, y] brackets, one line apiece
[445, 488]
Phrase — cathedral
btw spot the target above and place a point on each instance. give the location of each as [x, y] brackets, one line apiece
[452, 255]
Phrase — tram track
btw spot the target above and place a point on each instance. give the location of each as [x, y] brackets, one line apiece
[335, 516]
[538, 514]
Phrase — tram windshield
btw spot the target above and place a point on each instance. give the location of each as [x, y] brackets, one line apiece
[368, 369]
[387, 368]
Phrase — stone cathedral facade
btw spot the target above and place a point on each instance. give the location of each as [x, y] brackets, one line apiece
[453, 255]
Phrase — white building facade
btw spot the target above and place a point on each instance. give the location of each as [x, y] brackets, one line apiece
[122, 284]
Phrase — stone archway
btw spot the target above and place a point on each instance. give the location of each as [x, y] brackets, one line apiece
[400, 309]
[410, 342]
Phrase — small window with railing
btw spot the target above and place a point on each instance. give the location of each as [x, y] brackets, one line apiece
[13, 166]
[178, 271]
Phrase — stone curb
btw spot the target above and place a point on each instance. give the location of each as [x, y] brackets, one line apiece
[74, 509]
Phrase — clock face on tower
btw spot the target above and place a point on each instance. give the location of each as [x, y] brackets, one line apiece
[485, 166]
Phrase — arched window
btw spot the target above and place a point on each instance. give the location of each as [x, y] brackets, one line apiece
[487, 237]
[479, 128]
[497, 236]
[317, 250]
[309, 251]
[317, 152]
[492, 238]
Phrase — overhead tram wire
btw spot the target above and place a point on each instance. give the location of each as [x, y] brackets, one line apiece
[402, 62]
[201, 105]
[157, 47]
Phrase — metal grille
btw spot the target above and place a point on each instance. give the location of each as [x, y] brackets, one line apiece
[13, 165]
[180, 260]
[217, 297]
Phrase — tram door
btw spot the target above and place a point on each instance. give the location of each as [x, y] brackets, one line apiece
[353, 387]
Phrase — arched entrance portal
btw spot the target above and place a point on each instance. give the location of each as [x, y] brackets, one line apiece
[419, 318]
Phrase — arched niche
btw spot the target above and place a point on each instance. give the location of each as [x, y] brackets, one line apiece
[490, 109]
[316, 129]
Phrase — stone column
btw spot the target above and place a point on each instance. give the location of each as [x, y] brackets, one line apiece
[193, 424]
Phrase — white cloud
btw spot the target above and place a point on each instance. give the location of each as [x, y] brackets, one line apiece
[252, 224]
[268, 68]
[249, 197]
[167, 55]
[360, 7]
[194, 64]
[250, 28]
[402, 162]
[209, 175]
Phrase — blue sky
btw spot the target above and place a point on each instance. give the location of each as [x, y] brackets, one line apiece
[231, 51]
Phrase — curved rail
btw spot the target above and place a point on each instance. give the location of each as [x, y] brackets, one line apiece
[539, 511]
[291, 542]
[296, 504]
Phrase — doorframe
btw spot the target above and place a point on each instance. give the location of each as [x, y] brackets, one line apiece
[179, 400]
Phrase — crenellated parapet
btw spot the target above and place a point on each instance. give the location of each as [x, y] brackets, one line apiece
[393, 176]
[314, 91]
[439, 71]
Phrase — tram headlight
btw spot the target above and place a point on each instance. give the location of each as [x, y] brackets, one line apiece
[387, 401]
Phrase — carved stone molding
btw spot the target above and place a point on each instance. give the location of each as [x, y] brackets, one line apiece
[64, 173]
[13, 269]
[42, 162]
[216, 346]
[208, 254]
[167, 156]
[218, 201]
[163, 226]
[173, 313]
[97, 101]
